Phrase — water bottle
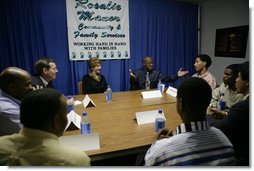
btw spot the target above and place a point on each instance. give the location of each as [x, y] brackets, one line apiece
[108, 94]
[222, 102]
[159, 86]
[85, 125]
[70, 104]
[159, 121]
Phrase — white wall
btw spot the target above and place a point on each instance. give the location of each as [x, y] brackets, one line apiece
[216, 14]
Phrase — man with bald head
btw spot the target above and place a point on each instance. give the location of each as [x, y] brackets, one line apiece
[15, 83]
[140, 77]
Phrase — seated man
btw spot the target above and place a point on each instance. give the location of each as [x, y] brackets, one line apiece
[15, 83]
[194, 142]
[202, 63]
[45, 72]
[44, 116]
[139, 77]
[228, 88]
[235, 125]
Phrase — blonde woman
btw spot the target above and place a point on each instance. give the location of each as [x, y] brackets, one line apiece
[94, 82]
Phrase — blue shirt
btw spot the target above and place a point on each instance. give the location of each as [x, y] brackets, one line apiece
[194, 143]
[9, 114]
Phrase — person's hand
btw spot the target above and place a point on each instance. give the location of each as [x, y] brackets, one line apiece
[37, 87]
[164, 133]
[131, 74]
[217, 113]
[181, 73]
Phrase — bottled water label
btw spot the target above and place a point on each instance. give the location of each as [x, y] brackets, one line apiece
[159, 124]
[85, 128]
[70, 107]
[159, 87]
[221, 105]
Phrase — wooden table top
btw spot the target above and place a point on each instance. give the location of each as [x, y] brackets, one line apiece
[115, 121]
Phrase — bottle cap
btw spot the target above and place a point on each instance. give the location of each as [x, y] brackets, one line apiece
[159, 110]
[84, 113]
[69, 97]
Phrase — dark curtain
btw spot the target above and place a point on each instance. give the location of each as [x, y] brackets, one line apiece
[166, 31]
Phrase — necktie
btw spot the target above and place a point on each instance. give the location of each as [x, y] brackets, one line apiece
[147, 81]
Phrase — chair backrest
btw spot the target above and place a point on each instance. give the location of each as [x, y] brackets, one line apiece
[8, 126]
[80, 87]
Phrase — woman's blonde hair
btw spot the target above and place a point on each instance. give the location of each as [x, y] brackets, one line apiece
[93, 62]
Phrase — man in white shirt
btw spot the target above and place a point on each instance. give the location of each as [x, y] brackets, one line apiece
[194, 142]
[44, 116]
[15, 83]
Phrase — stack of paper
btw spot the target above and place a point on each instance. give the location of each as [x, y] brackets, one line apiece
[147, 116]
[151, 94]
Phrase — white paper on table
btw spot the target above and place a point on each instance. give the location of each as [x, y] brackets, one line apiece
[147, 116]
[151, 94]
[74, 118]
[87, 102]
[172, 91]
[84, 142]
[77, 102]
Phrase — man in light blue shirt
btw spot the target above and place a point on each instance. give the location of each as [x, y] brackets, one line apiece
[15, 83]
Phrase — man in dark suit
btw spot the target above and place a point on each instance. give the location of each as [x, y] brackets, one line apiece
[235, 124]
[45, 72]
[140, 77]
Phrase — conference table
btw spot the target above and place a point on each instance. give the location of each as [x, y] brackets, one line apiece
[116, 123]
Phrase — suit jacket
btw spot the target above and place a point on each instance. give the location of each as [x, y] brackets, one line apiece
[138, 83]
[236, 127]
[36, 80]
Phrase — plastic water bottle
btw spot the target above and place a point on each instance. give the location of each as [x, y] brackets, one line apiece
[159, 86]
[159, 121]
[222, 102]
[108, 94]
[70, 104]
[85, 125]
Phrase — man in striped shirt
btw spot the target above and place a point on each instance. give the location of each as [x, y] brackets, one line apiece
[193, 142]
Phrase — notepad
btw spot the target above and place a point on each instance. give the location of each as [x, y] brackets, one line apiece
[147, 116]
[83, 142]
[151, 94]
[172, 91]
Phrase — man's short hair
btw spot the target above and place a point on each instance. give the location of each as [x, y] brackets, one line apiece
[39, 107]
[195, 92]
[234, 69]
[42, 63]
[205, 58]
[244, 70]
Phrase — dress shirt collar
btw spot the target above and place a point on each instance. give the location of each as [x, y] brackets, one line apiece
[203, 75]
[192, 127]
[246, 96]
[44, 81]
[3, 94]
[35, 133]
